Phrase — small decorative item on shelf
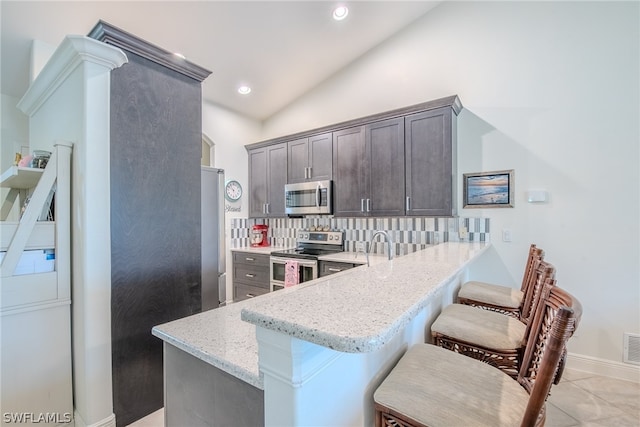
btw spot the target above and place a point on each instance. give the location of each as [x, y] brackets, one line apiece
[40, 158]
[16, 161]
[25, 161]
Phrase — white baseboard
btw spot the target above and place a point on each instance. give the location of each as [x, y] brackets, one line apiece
[110, 421]
[606, 368]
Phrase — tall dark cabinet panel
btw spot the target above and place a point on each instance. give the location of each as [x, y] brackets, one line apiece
[156, 135]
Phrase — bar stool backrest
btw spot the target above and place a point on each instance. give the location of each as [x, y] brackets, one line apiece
[555, 321]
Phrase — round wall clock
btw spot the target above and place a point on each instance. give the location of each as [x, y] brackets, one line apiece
[233, 191]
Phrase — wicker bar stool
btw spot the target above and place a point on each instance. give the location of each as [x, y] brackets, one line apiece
[504, 299]
[434, 387]
[489, 336]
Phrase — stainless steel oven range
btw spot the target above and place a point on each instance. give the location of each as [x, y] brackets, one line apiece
[310, 246]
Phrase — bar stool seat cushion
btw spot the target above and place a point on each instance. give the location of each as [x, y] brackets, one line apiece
[481, 327]
[502, 296]
[438, 387]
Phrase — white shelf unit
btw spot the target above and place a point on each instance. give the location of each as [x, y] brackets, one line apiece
[35, 309]
[20, 292]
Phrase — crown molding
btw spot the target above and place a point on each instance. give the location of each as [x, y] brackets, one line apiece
[73, 51]
[117, 37]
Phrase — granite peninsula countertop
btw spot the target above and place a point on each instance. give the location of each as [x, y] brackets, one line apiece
[358, 310]
[361, 311]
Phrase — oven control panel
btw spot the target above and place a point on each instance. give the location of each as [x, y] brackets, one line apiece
[322, 237]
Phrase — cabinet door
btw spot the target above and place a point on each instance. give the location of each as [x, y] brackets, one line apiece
[348, 172]
[276, 179]
[384, 172]
[310, 159]
[429, 162]
[257, 182]
[298, 152]
[320, 157]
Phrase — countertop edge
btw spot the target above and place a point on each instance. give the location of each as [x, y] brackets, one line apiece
[222, 364]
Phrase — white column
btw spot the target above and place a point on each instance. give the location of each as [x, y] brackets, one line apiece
[70, 100]
[306, 384]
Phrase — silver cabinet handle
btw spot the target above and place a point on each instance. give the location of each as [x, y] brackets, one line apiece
[266, 208]
[408, 204]
[250, 296]
[368, 205]
[249, 259]
[361, 205]
[250, 275]
[334, 269]
[309, 169]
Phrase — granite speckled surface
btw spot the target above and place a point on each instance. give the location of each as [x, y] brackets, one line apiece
[357, 310]
[354, 258]
[361, 311]
[219, 338]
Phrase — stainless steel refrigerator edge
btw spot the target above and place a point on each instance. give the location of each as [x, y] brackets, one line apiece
[214, 277]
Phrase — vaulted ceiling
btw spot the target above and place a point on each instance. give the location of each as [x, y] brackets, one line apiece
[281, 49]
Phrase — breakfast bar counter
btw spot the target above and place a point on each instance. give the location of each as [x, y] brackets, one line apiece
[361, 310]
[346, 329]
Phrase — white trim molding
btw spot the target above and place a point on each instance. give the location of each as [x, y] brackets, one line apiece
[73, 51]
[607, 368]
[110, 421]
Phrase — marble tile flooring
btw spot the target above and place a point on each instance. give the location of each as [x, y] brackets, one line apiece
[581, 399]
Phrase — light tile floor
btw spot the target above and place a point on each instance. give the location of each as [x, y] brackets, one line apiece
[581, 399]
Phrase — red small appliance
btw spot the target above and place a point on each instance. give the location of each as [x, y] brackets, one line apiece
[259, 235]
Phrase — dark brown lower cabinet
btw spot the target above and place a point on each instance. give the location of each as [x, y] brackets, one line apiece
[250, 275]
[326, 268]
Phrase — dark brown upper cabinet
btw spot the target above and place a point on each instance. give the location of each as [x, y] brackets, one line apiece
[267, 178]
[430, 148]
[369, 169]
[309, 159]
[397, 163]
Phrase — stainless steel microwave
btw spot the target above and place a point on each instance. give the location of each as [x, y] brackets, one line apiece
[308, 198]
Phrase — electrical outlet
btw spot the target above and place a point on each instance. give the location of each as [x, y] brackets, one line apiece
[463, 233]
[506, 235]
[359, 246]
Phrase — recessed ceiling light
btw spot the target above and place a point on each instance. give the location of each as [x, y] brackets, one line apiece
[340, 12]
[244, 90]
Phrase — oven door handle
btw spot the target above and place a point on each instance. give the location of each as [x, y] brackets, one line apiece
[304, 263]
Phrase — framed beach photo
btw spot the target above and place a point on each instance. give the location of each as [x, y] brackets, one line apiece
[488, 189]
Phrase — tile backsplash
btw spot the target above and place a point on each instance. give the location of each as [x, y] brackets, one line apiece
[409, 234]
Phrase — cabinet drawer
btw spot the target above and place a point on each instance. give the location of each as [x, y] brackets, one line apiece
[251, 275]
[250, 258]
[242, 291]
[326, 268]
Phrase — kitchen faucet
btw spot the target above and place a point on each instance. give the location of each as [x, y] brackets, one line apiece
[387, 238]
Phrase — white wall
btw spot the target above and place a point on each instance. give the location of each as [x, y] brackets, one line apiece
[13, 136]
[550, 89]
[230, 132]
